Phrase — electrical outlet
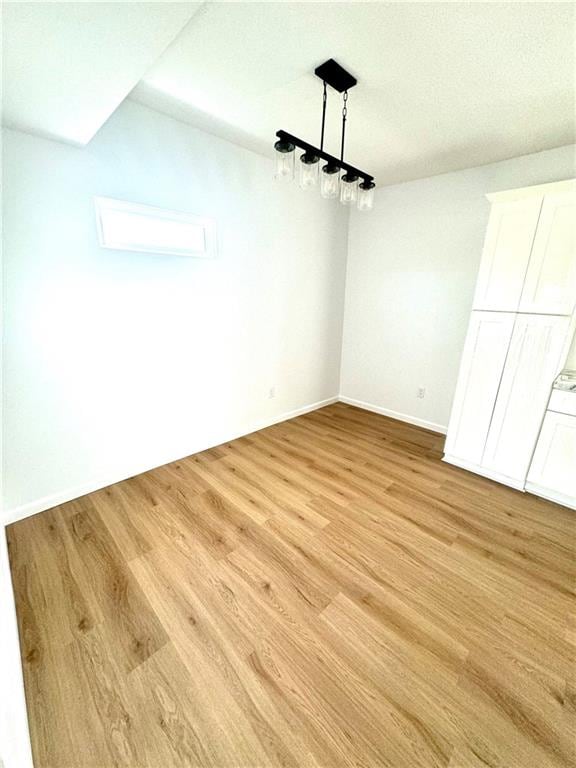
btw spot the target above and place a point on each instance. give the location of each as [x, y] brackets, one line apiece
[421, 392]
[271, 393]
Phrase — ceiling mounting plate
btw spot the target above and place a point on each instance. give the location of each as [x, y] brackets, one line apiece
[336, 76]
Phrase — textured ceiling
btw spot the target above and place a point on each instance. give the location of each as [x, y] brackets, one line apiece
[441, 86]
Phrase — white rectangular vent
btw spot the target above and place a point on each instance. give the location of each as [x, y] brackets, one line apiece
[126, 226]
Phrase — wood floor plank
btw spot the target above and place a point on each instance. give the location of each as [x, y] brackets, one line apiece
[210, 652]
[135, 627]
[324, 593]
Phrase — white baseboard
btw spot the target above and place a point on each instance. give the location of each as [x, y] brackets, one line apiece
[15, 750]
[68, 494]
[550, 495]
[15, 742]
[478, 470]
[395, 415]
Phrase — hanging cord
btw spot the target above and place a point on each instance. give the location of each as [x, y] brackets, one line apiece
[324, 99]
[344, 113]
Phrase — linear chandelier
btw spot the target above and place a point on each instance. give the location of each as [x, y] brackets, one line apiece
[353, 186]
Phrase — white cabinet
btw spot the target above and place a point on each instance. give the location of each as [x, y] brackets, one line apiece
[518, 337]
[550, 285]
[485, 349]
[553, 468]
[506, 253]
[532, 363]
[563, 402]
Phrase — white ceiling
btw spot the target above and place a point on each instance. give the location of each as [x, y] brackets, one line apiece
[441, 86]
[67, 66]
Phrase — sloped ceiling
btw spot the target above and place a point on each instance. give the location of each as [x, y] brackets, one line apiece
[67, 66]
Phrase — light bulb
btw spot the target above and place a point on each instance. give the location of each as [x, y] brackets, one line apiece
[329, 181]
[308, 170]
[366, 195]
[284, 166]
[348, 189]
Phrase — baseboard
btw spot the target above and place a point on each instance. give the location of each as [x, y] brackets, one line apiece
[550, 495]
[15, 750]
[47, 502]
[395, 415]
[478, 470]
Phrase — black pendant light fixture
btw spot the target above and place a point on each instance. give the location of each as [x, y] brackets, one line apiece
[354, 187]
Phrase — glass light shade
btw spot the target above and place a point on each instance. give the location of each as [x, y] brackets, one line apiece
[330, 181]
[366, 195]
[348, 189]
[308, 173]
[284, 160]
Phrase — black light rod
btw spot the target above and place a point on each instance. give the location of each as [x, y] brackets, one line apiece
[324, 100]
[324, 155]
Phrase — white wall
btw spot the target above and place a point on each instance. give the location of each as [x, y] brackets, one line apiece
[412, 267]
[116, 362]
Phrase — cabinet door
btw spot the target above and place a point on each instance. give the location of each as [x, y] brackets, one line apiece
[550, 285]
[554, 462]
[506, 253]
[485, 349]
[532, 363]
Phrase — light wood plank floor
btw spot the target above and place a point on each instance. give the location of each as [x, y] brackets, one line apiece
[323, 593]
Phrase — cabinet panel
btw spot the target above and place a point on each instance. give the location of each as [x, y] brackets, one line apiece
[563, 402]
[554, 462]
[506, 253]
[531, 365]
[489, 335]
[550, 284]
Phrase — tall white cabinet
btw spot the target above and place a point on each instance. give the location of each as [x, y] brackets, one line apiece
[520, 330]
